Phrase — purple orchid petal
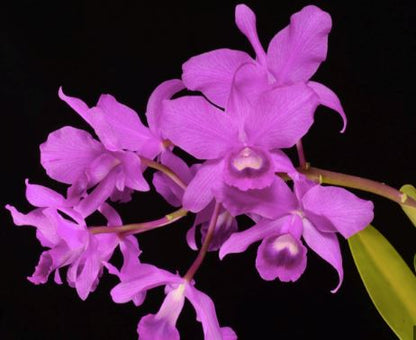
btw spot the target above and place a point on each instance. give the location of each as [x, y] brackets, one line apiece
[205, 313]
[40, 196]
[199, 192]
[239, 242]
[45, 229]
[201, 217]
[326, 245]
[346, 213]
[271, 202]
[163, 325]
[212, 73]
[132, 169]
[111, 214]
[76, 104]
[281, 256]
[118, 126]
[281, 162]
[99, 195]
[225, 227]
[296, 52]
[282, 116]
[198, 127]
[154, 107]
[68, 152]
[246, 22]
[329, 99]
[142, 278]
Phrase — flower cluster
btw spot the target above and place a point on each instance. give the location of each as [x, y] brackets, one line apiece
[245, 112]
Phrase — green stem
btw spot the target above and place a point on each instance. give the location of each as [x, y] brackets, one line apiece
[168, 172]
[204, 248]
[142, 227]
[354, 182]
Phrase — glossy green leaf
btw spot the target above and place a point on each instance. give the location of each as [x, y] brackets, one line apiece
[388, 280]
[410, 191]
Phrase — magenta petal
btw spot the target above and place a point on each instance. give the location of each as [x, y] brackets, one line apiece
[154, 108]
[271, 202]
[133, 172]
[239, 242]
[76, 104]
[68, 152]
[205, 313]
[163, 325]
[199, 193]
[111, 214]
[281, 256]
[329, 99]
[326, 245]
[169, 190]
[246, 22]
[99, 195]
[296, 52]
[198, 127]
[282, 116]
[143, 278]
[40, 196]
[347, 213]
[212, 73]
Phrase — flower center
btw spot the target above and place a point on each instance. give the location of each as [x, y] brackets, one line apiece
[247, 158]
[286, 242]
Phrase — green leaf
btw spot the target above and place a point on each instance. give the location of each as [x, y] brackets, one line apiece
[388, 280]
[410, 191]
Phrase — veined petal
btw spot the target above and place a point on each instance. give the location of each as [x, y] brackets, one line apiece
[347, 213]
[212, 73]
[154, 110]
[246, 22]
[329, 99]
[326, 245]
[199, 192]
[296, 52]
[282, 116]
[118, 126]
[271, 202]
[132, 169]
[40, 196]
[68, 152]
[198, 127]
[205, 313]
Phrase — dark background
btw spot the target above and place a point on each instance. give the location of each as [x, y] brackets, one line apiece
[127, 48]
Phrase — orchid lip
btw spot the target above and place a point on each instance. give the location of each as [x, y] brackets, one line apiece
[248, 162]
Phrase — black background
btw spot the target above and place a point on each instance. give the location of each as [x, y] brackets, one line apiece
[127, 48]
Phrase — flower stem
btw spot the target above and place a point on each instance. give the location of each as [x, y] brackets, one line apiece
[168, 172]
[136, 228]
[204, 248]
[301, 155]
[349, 181]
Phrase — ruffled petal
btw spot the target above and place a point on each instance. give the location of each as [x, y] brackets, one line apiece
[67, 153]
[212, 73]
[347, 213]
[326, 245]
[154, 109]
[282, 256]
[246, 22]
[271, 202]
[198, 127]
[205, 313]
[199, 193]
[329, 99]
[282, 116]
[296, 52]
